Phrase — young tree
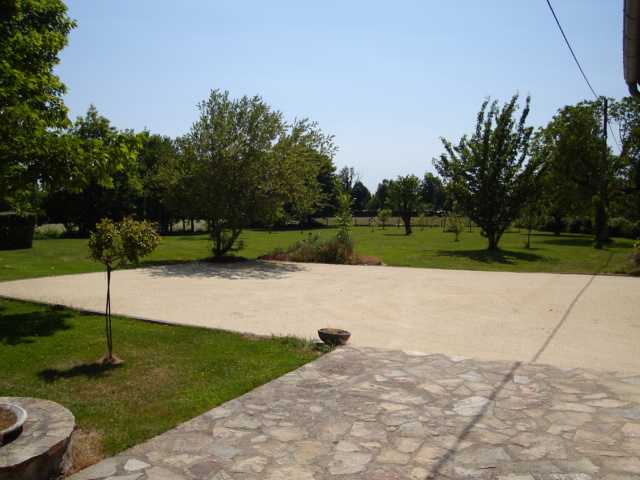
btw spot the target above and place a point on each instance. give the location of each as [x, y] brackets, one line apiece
[384, 214]
[404, 195]
[489, 174]
[116, 245]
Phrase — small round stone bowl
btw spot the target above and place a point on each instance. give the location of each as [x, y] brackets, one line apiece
[21, 416]
[334, 336]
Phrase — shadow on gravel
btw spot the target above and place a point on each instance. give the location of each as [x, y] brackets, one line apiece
[493, 256]
[249, 269]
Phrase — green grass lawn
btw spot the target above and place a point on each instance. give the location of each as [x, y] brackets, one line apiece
[433, 248]
[427, 248]
[170, 374]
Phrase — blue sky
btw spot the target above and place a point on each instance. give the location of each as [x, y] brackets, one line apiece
[387, 78]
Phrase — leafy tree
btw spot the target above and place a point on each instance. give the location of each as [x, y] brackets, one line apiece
[120, 197]
[361, 196]
[433, 192]
[155, 152]
[488, 174]
[33, 113]
[384, 214]
[576, 176]
[379, 199]
[241, 163]
[404, 195]
[348, 177]
[627, 114]
[116, 245]
[35, 150]
[344, 219]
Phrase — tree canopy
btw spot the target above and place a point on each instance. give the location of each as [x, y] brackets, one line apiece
[489, 174]
[241, 163]
[404, 195]
[578, 174]
[33, 115]
[35, 149]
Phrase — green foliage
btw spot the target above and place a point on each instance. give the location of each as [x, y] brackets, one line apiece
[16, 231]
[116, 244]
[404, 195]
[241, 163]
[119, 244]
[454, 225]
[633, 263]
[33, 113]
[344, 219]
[433, 192]
[489, 175]
[118, 197]
[384, 214]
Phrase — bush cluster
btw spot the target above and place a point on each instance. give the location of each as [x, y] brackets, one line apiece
[16, 231]
[337, 250]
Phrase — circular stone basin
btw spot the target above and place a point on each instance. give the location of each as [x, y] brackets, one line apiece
[38, 452]
[13, 418]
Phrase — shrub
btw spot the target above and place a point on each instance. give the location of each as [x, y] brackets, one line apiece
[16, 231]
[46, 233]
[633, 263]
[621, 227]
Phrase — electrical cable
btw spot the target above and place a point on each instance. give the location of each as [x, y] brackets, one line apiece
[580, 67]
[571, 49]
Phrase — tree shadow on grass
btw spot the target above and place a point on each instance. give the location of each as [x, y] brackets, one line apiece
[16, 329]
[506, 257]
[568, 241]
[88, 370]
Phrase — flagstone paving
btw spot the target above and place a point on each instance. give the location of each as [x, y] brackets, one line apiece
[374, 414]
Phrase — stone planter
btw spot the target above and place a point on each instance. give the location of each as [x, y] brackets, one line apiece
[334, 336]
[13, 430]
[38, 449]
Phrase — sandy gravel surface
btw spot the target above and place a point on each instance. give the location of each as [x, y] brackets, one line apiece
[573, 320]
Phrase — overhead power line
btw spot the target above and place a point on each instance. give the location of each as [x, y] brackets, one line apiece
[571, 49]
[580, 67]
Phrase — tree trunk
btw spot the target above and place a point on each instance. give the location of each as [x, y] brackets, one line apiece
[108, 315]
[406, 218]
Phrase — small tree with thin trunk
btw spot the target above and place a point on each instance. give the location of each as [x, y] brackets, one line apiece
[116, 244]
[384, 214]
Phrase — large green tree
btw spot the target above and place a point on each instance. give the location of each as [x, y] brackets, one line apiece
[627, 115]
[120, 196]
[432, 191]
[489, 175]
[404, 196]
[32, 113]
[35, 149]
[579, 170]
[241, 163]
